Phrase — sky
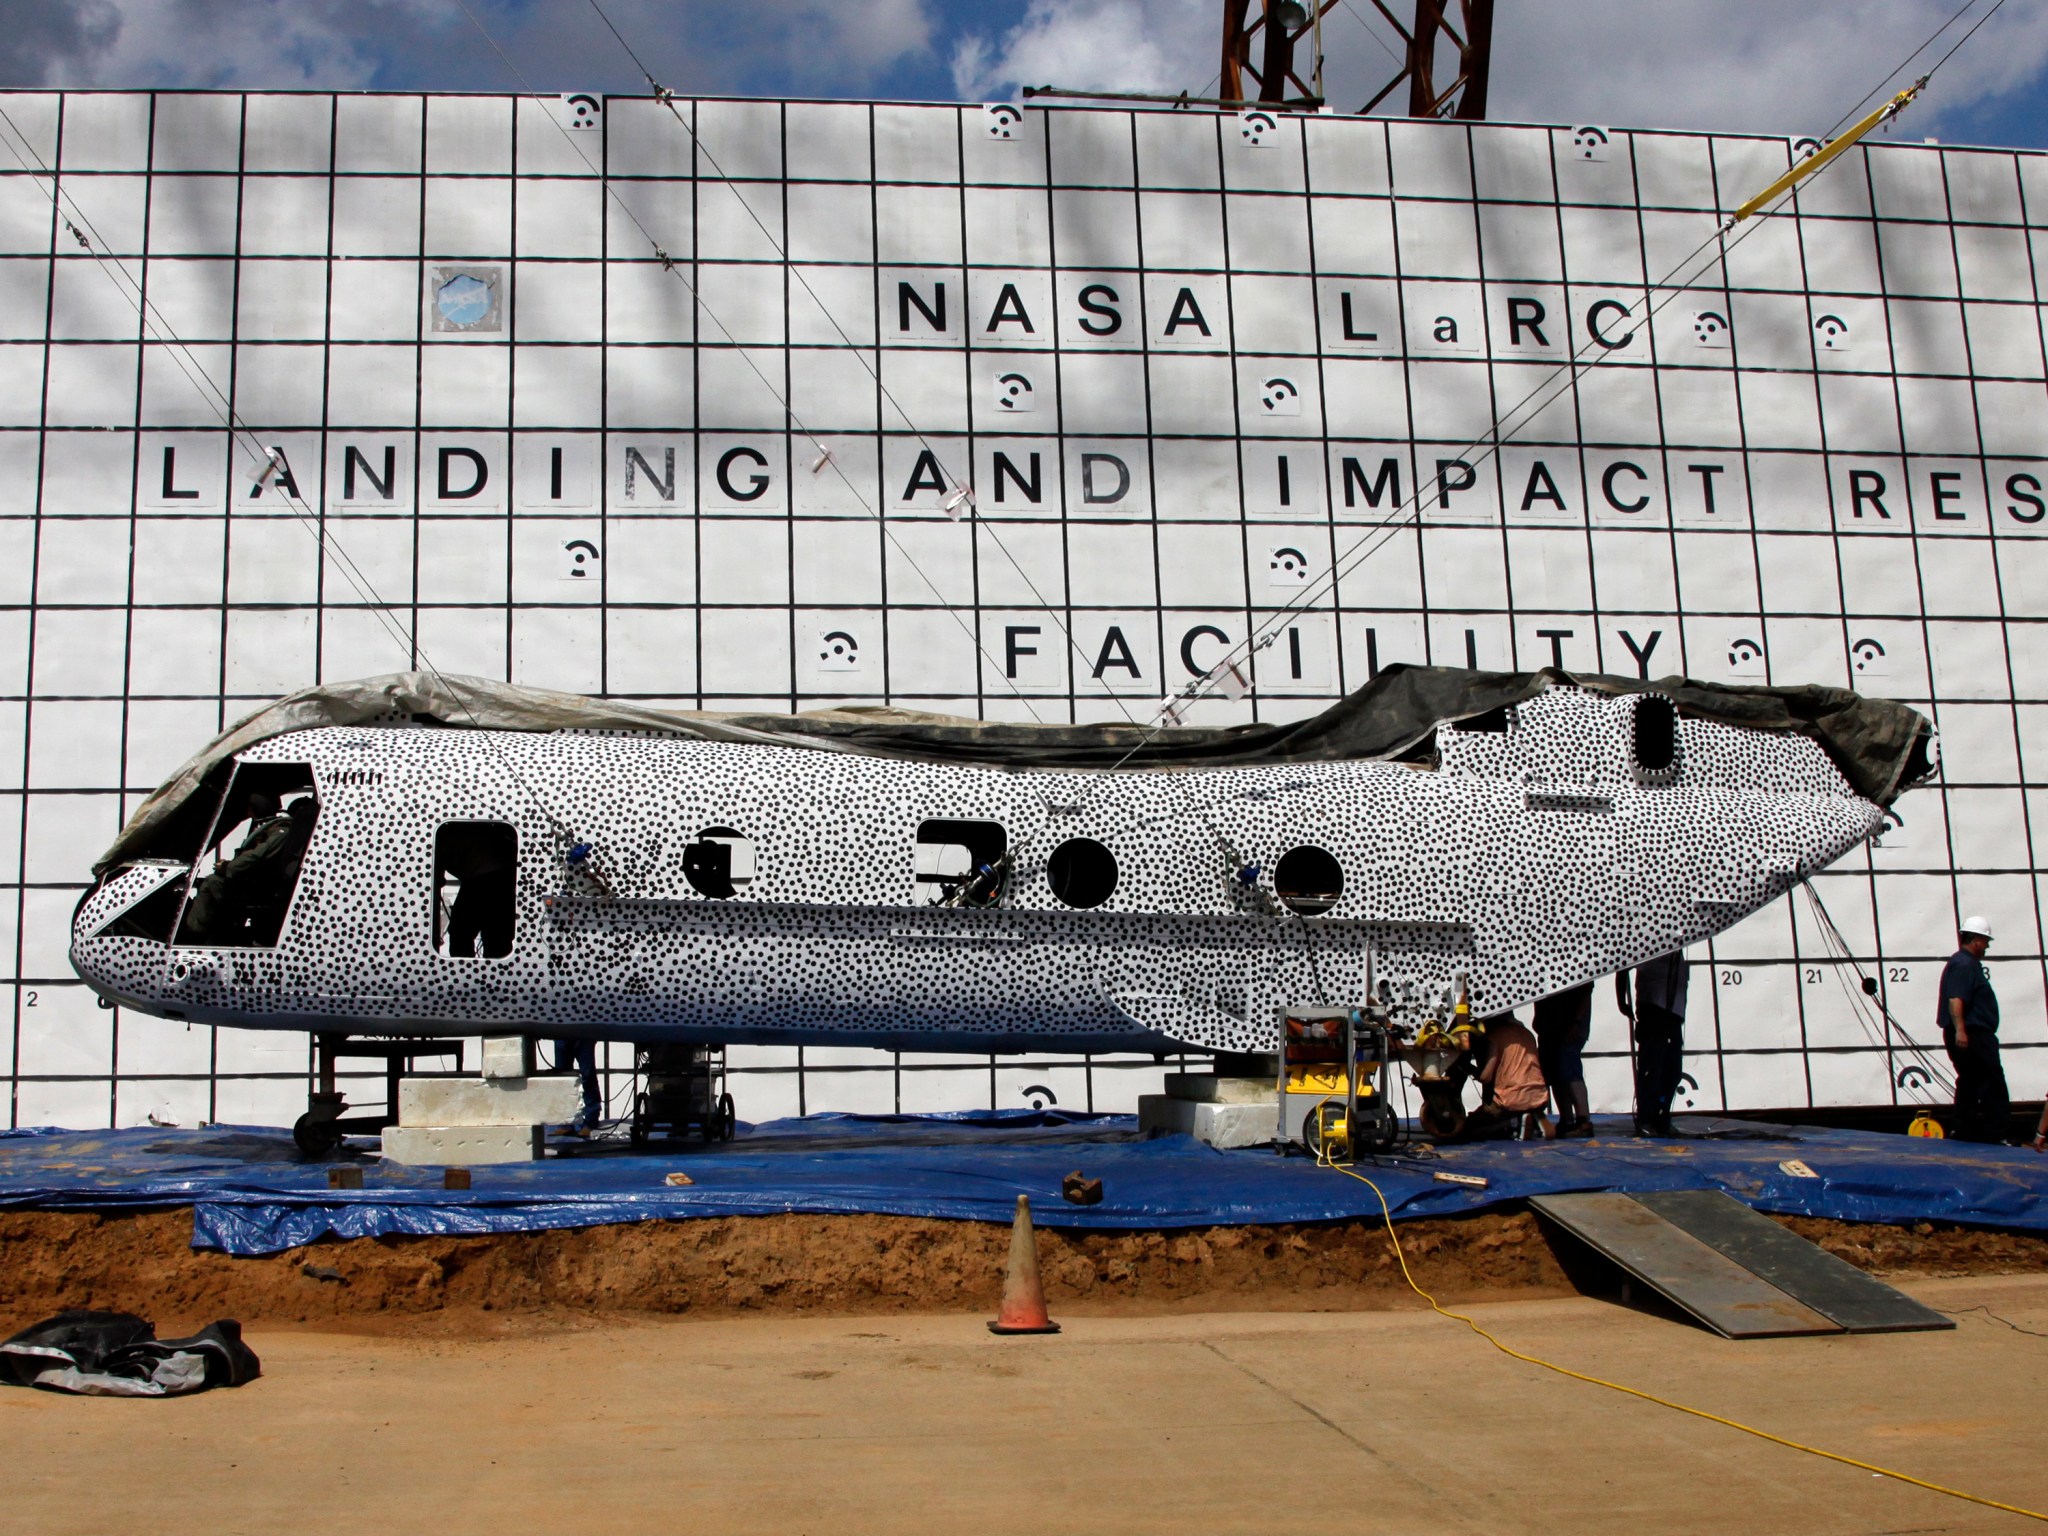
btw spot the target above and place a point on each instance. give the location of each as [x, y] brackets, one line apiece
[1750, 65]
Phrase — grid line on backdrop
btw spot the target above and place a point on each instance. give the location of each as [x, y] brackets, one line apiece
[1823, 462]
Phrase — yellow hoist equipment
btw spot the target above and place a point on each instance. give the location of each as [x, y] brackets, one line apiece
[1827, 152]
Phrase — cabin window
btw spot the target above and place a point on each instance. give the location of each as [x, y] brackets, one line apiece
[244, 877]
[720, 862]
[1655, 736]
[1308, 880]
[960, 863]
[476, 889]
[1081, 872]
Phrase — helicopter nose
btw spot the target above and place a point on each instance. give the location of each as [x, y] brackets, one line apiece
[121, 926]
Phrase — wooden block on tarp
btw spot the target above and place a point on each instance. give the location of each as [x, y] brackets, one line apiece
[1219, 1125]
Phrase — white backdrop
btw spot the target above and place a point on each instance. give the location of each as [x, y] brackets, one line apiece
[557, 379]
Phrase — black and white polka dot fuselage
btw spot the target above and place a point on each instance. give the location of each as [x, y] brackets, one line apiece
[680, 889]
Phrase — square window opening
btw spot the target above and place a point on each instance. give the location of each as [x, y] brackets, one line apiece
[476, 889]
[960, 863]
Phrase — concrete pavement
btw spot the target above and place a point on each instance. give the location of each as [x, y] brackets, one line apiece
[1362, 1422]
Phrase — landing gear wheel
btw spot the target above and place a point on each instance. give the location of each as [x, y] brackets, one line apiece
[728, 1119]
[1443, 1114]
[1378, 1130]
[316, 1134]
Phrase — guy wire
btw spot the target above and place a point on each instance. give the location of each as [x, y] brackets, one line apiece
[667, 98]
[302, 512]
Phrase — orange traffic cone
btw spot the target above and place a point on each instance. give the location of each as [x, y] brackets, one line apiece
[1023, 1308]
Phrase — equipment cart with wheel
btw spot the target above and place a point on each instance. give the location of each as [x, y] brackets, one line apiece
[1335, 1070]
[682, 1093]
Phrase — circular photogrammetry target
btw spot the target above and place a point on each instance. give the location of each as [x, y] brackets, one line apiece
[1081, 872]
[1308, 880]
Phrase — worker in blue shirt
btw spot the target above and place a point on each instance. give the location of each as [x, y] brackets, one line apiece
[580, 1057]
[1969, 1029]
[1564, 1022]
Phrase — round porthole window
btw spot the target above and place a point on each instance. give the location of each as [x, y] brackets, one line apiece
[1081, 872]
[720, 863]
[1308, 880]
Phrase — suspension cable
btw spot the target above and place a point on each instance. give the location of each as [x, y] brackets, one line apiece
[1862, 1000]
[667, 98]
[675, 269]
[87, 235]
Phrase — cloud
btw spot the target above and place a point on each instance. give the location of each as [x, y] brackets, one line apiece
[1093, 45]
[768, 46]
[1740, 65]
[221, 43]
[40, 34]
[1754, 65]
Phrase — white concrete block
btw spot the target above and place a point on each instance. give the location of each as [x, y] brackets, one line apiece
[1220, 1125]
[462, 1145]
[507, 1055]
[1208, 1088]
[488, 1100]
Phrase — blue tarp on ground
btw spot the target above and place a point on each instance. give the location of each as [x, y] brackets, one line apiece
[251, 1193]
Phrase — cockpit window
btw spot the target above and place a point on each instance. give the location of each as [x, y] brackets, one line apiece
[160, 892]
[240, 898]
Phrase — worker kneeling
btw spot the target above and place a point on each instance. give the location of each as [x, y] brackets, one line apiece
[1513, 1083]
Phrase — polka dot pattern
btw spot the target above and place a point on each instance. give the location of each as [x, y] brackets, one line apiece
[1524, 860]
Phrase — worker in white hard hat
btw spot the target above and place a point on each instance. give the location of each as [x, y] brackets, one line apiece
[1969, 1029]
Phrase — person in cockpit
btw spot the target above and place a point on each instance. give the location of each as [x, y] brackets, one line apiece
[243, 900]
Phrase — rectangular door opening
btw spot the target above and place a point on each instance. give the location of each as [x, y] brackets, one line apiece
[476, 889]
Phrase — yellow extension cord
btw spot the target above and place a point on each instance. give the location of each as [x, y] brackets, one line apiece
[1651, 1397]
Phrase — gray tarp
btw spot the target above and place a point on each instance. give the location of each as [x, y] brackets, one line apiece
[1880, 746]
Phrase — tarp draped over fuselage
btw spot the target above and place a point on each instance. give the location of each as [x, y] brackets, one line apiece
[1881, 747]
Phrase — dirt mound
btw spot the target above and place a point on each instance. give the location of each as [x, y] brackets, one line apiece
[829, 1264]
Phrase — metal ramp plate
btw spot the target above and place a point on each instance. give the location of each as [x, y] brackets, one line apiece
[1711, 1286]
[1832, 1287]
